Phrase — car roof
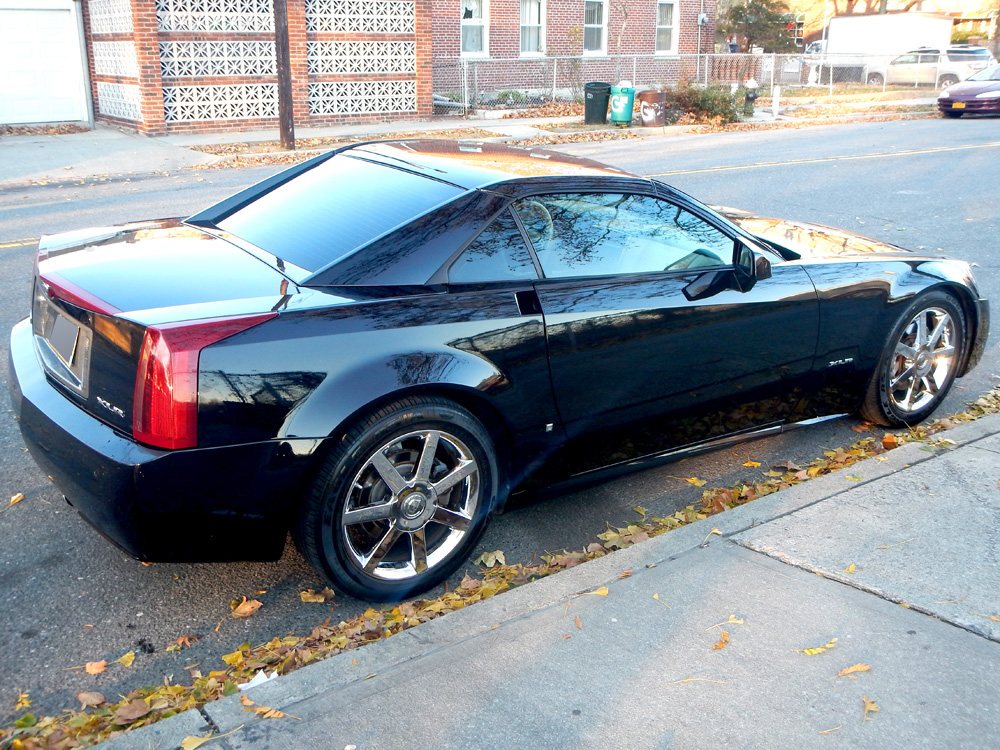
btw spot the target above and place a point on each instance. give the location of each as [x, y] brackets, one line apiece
[478, 164]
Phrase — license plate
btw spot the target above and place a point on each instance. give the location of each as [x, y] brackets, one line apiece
[958, 105]
[63, 338]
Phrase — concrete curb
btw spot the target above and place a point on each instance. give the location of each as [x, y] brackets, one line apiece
[351, 667]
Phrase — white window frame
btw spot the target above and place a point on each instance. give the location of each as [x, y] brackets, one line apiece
[603, 26]
[540, 52]
[673, 28]
[483, 22]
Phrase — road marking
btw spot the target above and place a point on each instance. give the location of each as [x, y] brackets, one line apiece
[18, 243]
[819, 160]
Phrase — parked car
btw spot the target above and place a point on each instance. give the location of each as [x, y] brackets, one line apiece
[931, 67]
[979, 95]
[375, 348]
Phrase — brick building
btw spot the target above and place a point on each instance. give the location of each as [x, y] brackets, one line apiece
[545, 43]
[180, 65]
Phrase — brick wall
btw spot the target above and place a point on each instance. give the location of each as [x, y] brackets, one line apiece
[195, 68]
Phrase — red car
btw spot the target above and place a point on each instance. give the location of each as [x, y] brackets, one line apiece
[979, 94]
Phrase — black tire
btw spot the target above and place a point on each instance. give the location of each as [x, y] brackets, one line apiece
[953, 114]
[412, 531]
[875, 79]
[945, 81]
[919, 362]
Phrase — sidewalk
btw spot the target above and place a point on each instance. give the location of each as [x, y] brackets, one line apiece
[34, 159]
[551, 665]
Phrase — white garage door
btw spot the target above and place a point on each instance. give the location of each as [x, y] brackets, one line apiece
[41, 68]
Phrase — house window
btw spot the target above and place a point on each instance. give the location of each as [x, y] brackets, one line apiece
[532, 39]
[594, 23]
[475, 30]
[666, 36]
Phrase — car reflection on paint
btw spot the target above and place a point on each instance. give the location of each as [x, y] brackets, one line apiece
[376, 348]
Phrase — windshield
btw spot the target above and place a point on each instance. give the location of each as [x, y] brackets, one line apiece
[991, 73]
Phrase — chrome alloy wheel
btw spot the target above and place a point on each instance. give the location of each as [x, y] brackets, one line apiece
[923, 359]
[410, 505]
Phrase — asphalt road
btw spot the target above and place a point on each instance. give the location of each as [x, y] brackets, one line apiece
[68, 597]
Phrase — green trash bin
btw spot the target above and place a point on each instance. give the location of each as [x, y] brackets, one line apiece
[622, 100]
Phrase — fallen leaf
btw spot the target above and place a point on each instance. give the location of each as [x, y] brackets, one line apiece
[126, 659]
[889, 441]
[193, 743]
[246, 701]
[246, 608]
[790, 465]
[870, 707]
[15, 499]
[88, 699]
[602, 591]
[624, 574]
[849, 569]
[816, 649]
[995, 618]
[640, 510]
[579, 624]
[824, 731]
[852, 477]
[853, 669]
[752, 464]
[131, 711]
[489, 559]
[567, 636]
[692, 480]
[320, 597]
[95, 667]
[723, 641]
[26, 721]
[23, 700]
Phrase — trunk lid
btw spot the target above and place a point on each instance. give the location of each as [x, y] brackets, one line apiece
[96, 291]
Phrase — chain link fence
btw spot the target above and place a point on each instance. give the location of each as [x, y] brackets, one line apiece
[466, 85]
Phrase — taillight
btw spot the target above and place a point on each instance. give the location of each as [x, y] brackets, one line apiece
[165, 414]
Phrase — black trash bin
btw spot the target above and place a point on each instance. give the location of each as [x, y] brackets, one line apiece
[595, 102]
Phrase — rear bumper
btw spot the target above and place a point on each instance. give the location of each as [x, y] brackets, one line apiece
[211, 504]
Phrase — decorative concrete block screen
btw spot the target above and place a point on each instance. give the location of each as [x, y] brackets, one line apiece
[175, 65]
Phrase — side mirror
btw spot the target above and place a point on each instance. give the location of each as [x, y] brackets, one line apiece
[749, 267]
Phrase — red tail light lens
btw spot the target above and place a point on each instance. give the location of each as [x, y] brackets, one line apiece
[165, 414]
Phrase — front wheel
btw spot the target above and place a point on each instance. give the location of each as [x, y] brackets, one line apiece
[401, 501]
[875, 79]
[946, 81]
[919, 362]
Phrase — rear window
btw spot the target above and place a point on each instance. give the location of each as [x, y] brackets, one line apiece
[980, 55]
[323, 215]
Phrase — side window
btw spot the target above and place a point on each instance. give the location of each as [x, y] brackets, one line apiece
[497, 254]
[603, 234]
[904, 60]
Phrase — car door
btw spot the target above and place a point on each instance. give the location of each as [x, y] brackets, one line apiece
[902, 69]
[642, 317]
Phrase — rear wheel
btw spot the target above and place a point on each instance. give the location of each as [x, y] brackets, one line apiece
[401, 501]
[919, 362]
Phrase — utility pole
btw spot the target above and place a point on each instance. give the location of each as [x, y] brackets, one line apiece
[286, 117]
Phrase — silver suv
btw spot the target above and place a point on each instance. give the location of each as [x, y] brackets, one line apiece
[931, 66]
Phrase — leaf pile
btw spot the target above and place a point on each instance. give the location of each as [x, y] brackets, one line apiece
[551, 109]
[149, 704]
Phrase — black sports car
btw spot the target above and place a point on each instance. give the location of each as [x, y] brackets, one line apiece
[375, 348]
